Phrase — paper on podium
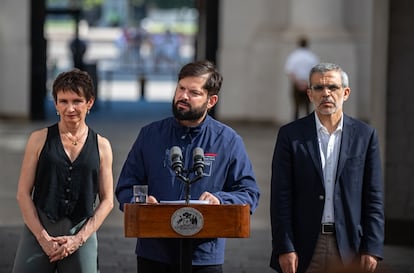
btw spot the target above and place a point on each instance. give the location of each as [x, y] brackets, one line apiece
[199, 202]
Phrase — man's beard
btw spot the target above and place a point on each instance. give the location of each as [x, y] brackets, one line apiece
[191, 114]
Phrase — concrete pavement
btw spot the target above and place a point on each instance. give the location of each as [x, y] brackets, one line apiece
[120, 122]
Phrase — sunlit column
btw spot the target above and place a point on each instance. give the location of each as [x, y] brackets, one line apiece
[316, 14]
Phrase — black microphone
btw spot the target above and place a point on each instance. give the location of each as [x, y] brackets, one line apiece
[198, 161]
[176, 157]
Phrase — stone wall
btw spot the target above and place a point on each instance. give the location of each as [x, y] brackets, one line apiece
[14, 56]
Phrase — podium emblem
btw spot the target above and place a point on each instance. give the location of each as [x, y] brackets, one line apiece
[187, 221]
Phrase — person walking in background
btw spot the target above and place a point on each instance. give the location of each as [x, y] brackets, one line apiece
[65, 167]
[297, 67]
[78, 49]
[326, 186]
[228, 176]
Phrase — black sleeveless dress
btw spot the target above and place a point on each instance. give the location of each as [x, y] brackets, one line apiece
[66, 189]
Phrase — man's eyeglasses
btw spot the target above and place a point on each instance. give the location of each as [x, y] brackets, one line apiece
[320, 88]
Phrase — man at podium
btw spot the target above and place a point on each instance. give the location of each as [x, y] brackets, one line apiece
[169, 149]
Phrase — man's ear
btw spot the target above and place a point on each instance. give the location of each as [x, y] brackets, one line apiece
[212, 100]
[347, 92]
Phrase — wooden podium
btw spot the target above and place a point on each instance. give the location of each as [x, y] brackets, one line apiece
[186, 222]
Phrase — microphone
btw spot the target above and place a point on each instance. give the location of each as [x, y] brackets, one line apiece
[198, 161]
[176, 157]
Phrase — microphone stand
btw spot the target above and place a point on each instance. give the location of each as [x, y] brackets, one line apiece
[186, 246]
[188, 183]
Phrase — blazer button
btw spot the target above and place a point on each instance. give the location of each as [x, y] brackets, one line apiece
[321, 197]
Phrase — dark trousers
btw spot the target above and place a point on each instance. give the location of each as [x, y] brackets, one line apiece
[150, 266]
[326, 257]
[31, 258]
[301, 100]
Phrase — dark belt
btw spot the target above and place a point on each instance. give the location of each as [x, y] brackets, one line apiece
[328, 228]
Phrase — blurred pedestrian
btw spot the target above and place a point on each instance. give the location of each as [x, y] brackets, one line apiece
[297, 67]
[167, 50]
[78, 48]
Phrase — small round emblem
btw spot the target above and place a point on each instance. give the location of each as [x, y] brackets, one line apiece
[187, 221]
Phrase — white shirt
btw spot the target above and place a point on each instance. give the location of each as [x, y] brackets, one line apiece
[329, 146]
[300, 62]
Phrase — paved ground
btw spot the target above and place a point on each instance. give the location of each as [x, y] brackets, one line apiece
[120, 122]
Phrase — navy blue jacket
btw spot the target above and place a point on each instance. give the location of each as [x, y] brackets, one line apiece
[228, 175]
[297, 194]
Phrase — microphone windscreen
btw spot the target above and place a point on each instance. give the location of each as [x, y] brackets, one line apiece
[176, 152]
[198, 153]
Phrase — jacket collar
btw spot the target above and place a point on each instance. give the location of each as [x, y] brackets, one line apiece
[191, 131]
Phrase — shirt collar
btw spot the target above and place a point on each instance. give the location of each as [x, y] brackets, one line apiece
[319, 125]
[193, 131]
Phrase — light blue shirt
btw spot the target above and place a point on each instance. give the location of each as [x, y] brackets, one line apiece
[329, 146]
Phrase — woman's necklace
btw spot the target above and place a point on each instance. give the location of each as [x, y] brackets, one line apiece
[76, 140]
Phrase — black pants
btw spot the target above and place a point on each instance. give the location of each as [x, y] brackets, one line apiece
[300, 100]
[150, 266]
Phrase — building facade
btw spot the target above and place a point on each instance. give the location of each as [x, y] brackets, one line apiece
[370, 39]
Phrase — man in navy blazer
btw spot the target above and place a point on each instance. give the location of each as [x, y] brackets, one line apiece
[326, 186]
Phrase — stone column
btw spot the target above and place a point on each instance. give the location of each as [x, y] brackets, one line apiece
[14, 53]
[316, 14]
[254, 43]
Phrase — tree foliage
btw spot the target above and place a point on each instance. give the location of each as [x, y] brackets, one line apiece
[84, 4]
[88, 4]
[170, 4]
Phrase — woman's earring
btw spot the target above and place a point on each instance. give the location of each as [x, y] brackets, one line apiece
[88, 111]
[57, 113]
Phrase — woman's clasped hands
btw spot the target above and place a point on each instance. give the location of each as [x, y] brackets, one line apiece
[58, 248]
